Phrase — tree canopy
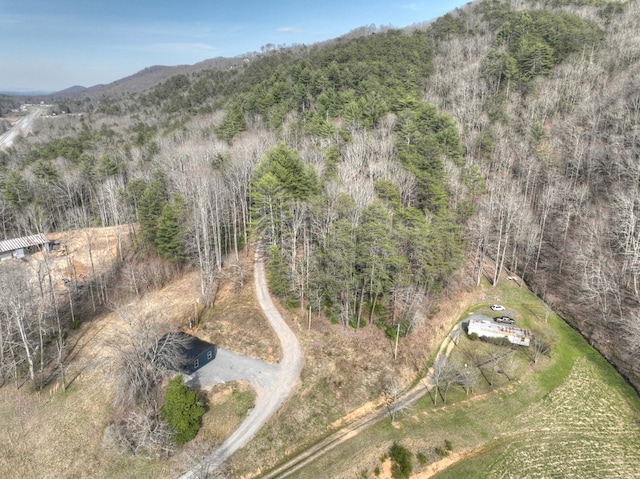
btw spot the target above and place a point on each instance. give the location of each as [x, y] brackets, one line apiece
[531, 43]
[183, 410]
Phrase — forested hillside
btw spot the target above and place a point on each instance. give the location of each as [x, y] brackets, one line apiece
[502, 136]
[547, 104]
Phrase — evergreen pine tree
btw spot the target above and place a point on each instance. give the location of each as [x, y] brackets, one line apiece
[277, 273]
[183, 410]
[168, 237]
[150, 208]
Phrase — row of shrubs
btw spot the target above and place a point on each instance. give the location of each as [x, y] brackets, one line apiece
[402, 459]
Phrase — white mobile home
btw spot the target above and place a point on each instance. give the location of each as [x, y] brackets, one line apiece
[486, 327]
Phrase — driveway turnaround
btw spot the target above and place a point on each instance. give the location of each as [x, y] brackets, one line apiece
[229, 366]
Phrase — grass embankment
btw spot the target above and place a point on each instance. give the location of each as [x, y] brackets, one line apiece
[570, 415]
[227, 408]
[66, 434]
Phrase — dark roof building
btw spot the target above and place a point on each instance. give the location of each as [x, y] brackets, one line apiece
[194, 352]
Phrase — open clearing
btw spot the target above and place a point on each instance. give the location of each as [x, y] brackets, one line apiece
[343, 370]
[570, 416]
[582, 429]
[52, 434]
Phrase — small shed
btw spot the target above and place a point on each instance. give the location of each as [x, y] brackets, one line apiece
[21, 247]
[195, 352]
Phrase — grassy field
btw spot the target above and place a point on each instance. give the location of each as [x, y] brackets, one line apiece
[571, 407]
[570, 415]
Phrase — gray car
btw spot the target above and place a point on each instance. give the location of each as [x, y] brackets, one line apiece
[504, 319]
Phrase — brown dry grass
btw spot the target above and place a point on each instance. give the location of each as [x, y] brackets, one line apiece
[236, 321]
[51, 433]
[66, 429]
[343, 375]
[228, 404]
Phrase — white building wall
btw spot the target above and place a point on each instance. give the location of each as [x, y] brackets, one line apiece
[487, 329]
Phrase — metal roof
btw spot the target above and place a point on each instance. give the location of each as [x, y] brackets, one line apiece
[484, 323]
[24, 242]
[191, 346]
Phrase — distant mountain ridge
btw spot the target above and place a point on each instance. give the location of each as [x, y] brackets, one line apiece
[19, 92]
[72, 90]
[146, 78]
[153, 75]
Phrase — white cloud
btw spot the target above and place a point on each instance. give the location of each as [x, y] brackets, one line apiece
[414, 7]
[289, 30]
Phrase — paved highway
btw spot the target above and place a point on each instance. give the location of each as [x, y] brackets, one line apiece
[20, 128]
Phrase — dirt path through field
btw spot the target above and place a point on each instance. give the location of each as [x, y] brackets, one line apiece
[439, 466]
[363, 422]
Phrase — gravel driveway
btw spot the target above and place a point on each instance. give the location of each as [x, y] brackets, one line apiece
[273, 383]
[229, 366]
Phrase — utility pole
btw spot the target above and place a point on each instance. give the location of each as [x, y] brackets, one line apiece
[395, 349]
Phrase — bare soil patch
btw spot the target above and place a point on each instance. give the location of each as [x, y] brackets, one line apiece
[438, 466]
[86, 253]
[385, 469]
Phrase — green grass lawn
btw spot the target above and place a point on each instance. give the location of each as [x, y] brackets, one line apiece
[570, 415]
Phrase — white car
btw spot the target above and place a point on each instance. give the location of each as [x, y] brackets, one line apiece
[497, 307]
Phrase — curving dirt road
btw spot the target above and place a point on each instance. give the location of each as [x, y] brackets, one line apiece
[272, 383]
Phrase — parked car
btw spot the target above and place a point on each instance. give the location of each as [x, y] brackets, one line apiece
[504, 319]
[497, 307]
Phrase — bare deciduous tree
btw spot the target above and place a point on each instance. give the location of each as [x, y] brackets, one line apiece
[539, 347]
[392, 392]
[144, 356]
[143, 433]
[632, 327]
[468, 376]
[20, 322]
[442, 374]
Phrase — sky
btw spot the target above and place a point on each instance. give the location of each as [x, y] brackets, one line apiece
[50, 45]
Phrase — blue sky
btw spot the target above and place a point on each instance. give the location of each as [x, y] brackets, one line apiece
[50, 45]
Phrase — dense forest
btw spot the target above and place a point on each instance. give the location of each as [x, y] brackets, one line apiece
[374, 169]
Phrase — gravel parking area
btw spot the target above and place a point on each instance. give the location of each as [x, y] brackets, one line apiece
[229, 366]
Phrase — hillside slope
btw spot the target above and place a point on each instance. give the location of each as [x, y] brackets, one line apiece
[560, 154]
[363, 188]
